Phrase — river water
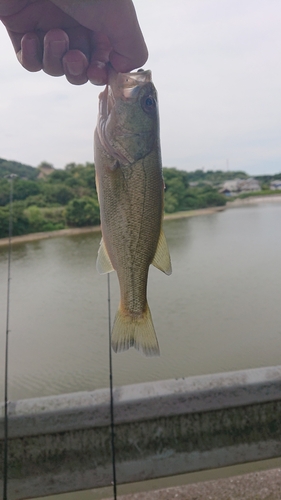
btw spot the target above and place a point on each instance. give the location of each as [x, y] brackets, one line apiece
[218, 311]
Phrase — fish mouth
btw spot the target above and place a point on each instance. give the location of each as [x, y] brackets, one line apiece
[128, 85]
[120, 86]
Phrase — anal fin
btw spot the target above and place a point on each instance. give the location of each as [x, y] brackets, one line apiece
[104, 265]
[162, 259]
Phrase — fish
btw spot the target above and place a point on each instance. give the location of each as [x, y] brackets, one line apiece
[130, 190]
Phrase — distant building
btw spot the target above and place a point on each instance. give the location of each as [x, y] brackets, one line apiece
[238, 186]
[250, 184]
[275, 185]
[45, 170]
[230, 188]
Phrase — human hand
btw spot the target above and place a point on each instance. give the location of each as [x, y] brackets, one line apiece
[77, 38]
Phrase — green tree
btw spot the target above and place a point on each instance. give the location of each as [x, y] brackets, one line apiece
[20, 221]
[4, 192]
[45, 219]
[58, 176]
[24, 188]
[8, 167]
[176, 185]
[83, 212]
[81, 175]
[57, 193]
[171, 202]
[35, 218]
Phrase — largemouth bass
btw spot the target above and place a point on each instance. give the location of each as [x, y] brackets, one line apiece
[131, 191]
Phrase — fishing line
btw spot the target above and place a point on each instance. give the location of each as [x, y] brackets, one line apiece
[111, 395]
[5, 464]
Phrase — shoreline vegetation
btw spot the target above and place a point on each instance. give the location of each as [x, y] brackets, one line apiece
[50, 202]
[238, 202]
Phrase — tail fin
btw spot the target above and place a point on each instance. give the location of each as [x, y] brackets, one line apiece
[134, 332]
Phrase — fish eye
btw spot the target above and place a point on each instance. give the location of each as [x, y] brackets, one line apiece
[148, 103]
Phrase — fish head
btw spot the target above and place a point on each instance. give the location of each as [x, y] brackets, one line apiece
[128, 124]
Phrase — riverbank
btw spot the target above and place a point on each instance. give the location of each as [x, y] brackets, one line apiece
[253, 200]
[177, 215]
[95, 229]
[50, 234]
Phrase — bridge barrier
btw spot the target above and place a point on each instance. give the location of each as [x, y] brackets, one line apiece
[63, 443]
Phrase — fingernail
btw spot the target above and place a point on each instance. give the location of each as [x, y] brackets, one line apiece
[58, 47]
[97, 73]
[99, 65]
[75, 68]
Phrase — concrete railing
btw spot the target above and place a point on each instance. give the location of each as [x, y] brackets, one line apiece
[62, 443]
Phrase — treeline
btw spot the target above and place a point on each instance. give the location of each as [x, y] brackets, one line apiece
[181, 195]
[216, 177]
[14, 167]
[265, 180]
[64, 198]
[68, 197]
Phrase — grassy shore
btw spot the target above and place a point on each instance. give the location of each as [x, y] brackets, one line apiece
[177, 215]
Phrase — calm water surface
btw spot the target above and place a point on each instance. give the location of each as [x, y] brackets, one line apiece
[219, 311]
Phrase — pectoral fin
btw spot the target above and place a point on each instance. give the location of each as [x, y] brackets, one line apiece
[162, 258]
[104, 265]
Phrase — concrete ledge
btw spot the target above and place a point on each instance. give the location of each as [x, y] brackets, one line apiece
[265, 485]
[62, 443]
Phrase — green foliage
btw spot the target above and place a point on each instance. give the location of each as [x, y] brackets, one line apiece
[81, 175]
[39, 200]
[203, 197]
[19, 220]
[13, 167]
[58, 176]
[180, 196]
[83, 212]
[35, 218]
[215, 177]
[4, 192]
[171, 202]
[176, 185]
[55, 215]
[69, 197]
[40, 205]
[57, 193]
[24, 188]
[44, 219]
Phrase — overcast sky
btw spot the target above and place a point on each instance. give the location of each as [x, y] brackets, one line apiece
[217, 67]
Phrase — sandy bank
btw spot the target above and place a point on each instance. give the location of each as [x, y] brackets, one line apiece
[49, 234]
[254, 200]
[178, 215]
